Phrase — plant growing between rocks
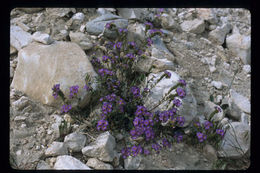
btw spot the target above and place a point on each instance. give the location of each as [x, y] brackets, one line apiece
[122, 90]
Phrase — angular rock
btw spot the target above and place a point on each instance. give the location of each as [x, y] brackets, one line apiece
[217, 84]
[19, 38]
[98, 165]
[81, 39]
[207, 14]
[210, 152]
[59, 63]
[236, 141]
[42, 38]
[195, 26]
[169, 23]
[59, 12]
[219, 34]
[103, 148]
[97, 25]
[245, 118]
[247, 68]
[188, 109]
[132, 13]
[131, 163]
[69, 163]
[136, 33]
[21, 103]
[12, 50]
[75, 141]
[209, 108]
[56, 149]
[240, 46]
[238, 104]
[42, 165]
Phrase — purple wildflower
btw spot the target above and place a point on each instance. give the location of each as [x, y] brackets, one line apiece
[220, 132]
[130, 56]
[65, 108]
[136, 91]
[149, 41]
[201, 137]
[207, 125]
[122, 30]
[166, 143]
[181, 92]
[148, 25]
[87, 87]
[108, 25]
[55, 90]
[125, 152]
[177, 102]
[73, 91]
[106, 107]
[218, 108]
[167, 74]
[146, 152]
[156, 147]
[183, 82]
[118, 45]
[102, 124]
[180, 120]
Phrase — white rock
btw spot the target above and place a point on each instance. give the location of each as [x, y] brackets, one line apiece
[81, 40]
[207, 14]
[19, 38]
[42, 38]
[237, 101]
[21, 103]
[247, 68]
[245, 118]
[212, 69]
[78, 16]
[56, 149]
[240, 46]
[210, 152]
[42, 165]
[69, 163]
[103, 148]
[209, 108]
[217, 84]
[236, 141]
[131, 163]
[97, 164]
[219, 98]
[219, 34]
[75, 141]
[195, 26]
[19, 118]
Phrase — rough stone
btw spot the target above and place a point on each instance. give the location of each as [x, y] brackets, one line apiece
[240, 45]
[217, 84]
[207, 14]
[209, 108]
[30, 10]
[75, 141]
[132, 13]
[169, 23]
[195, 26]
[210, 152]
[219, 34]
[81, 39]
[21, 103]
[78, 16]
[69, 163]
[247, 69]
[102, 148]
[131, 163]
[42, 165]
[56, 149]
[19, 38]
[59, 63]
[98, 165]
[59, 12]
[236, 141]
[42, 38]
[97, 25]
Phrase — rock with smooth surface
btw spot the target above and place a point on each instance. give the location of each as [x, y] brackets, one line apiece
[40, 67]
[56, 149]
[19, 38]
[75, 141]
[103, 148]
[42, 165]
[42, 38]
[67, 162]
[98, 165]
[81, 39]
[210, 152]
[209, 108]
[195, 26]
[218, 35]
[207, 14]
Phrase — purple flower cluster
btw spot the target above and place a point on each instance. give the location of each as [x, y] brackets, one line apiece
[113, 84]
[201, 137]
[218, 108]
[220, 132]
[149, 41]
[118, 45]
[167, 74]
[55, 90]
[135, 91]
[110, 98]
[73, 91]
[95, 61]
[177, 102]
[104, 71]
[126, 152]
[165, 115]
[102, 124]
[107, 107]
[146, 152]
[130, 56]
[166, 143]
[132, 44]
[178, 137]
[133, 151]
[148, 25]
[65, 108]
[105, 58]
[122, 30]
[180, 120]
[181, 92]
[156, 147]
[87, 87]
[207, 125]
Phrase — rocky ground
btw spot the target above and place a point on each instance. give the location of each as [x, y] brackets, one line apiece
[209, 48]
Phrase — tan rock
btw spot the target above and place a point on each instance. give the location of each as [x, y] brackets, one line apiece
[41, 66]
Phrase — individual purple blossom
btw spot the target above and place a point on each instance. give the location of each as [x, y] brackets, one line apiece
[149, 134]
[164, 116]
[220, 132]
[181, 92]
[108, 25]
[87, 87]
[122, 30]
[135, 91]
[112, 97]
[177, 102]
[125, 152]
[146, 152]
[180, 120]
[178, 138]
[106, 107]
[156, 147]
[132, 44]
[201, 136]
[207, 125]
[121, 102]
[141, 110]
[105, 58]
[183, 82]
[149, 25]
[167, 74]
[139, 149]
[65, 108]
[55, 90]
[130, 56]
[149, 41]
[73, 91]
[218, 108]
[197, 124]
[118, 45]
[166, 143]
[139, 52]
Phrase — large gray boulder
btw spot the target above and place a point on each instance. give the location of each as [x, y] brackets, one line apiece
[97, 25]
[98, 165]
[56, 149]
[218, 35]
[103, 148]
[75, 141]
[40, 67]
